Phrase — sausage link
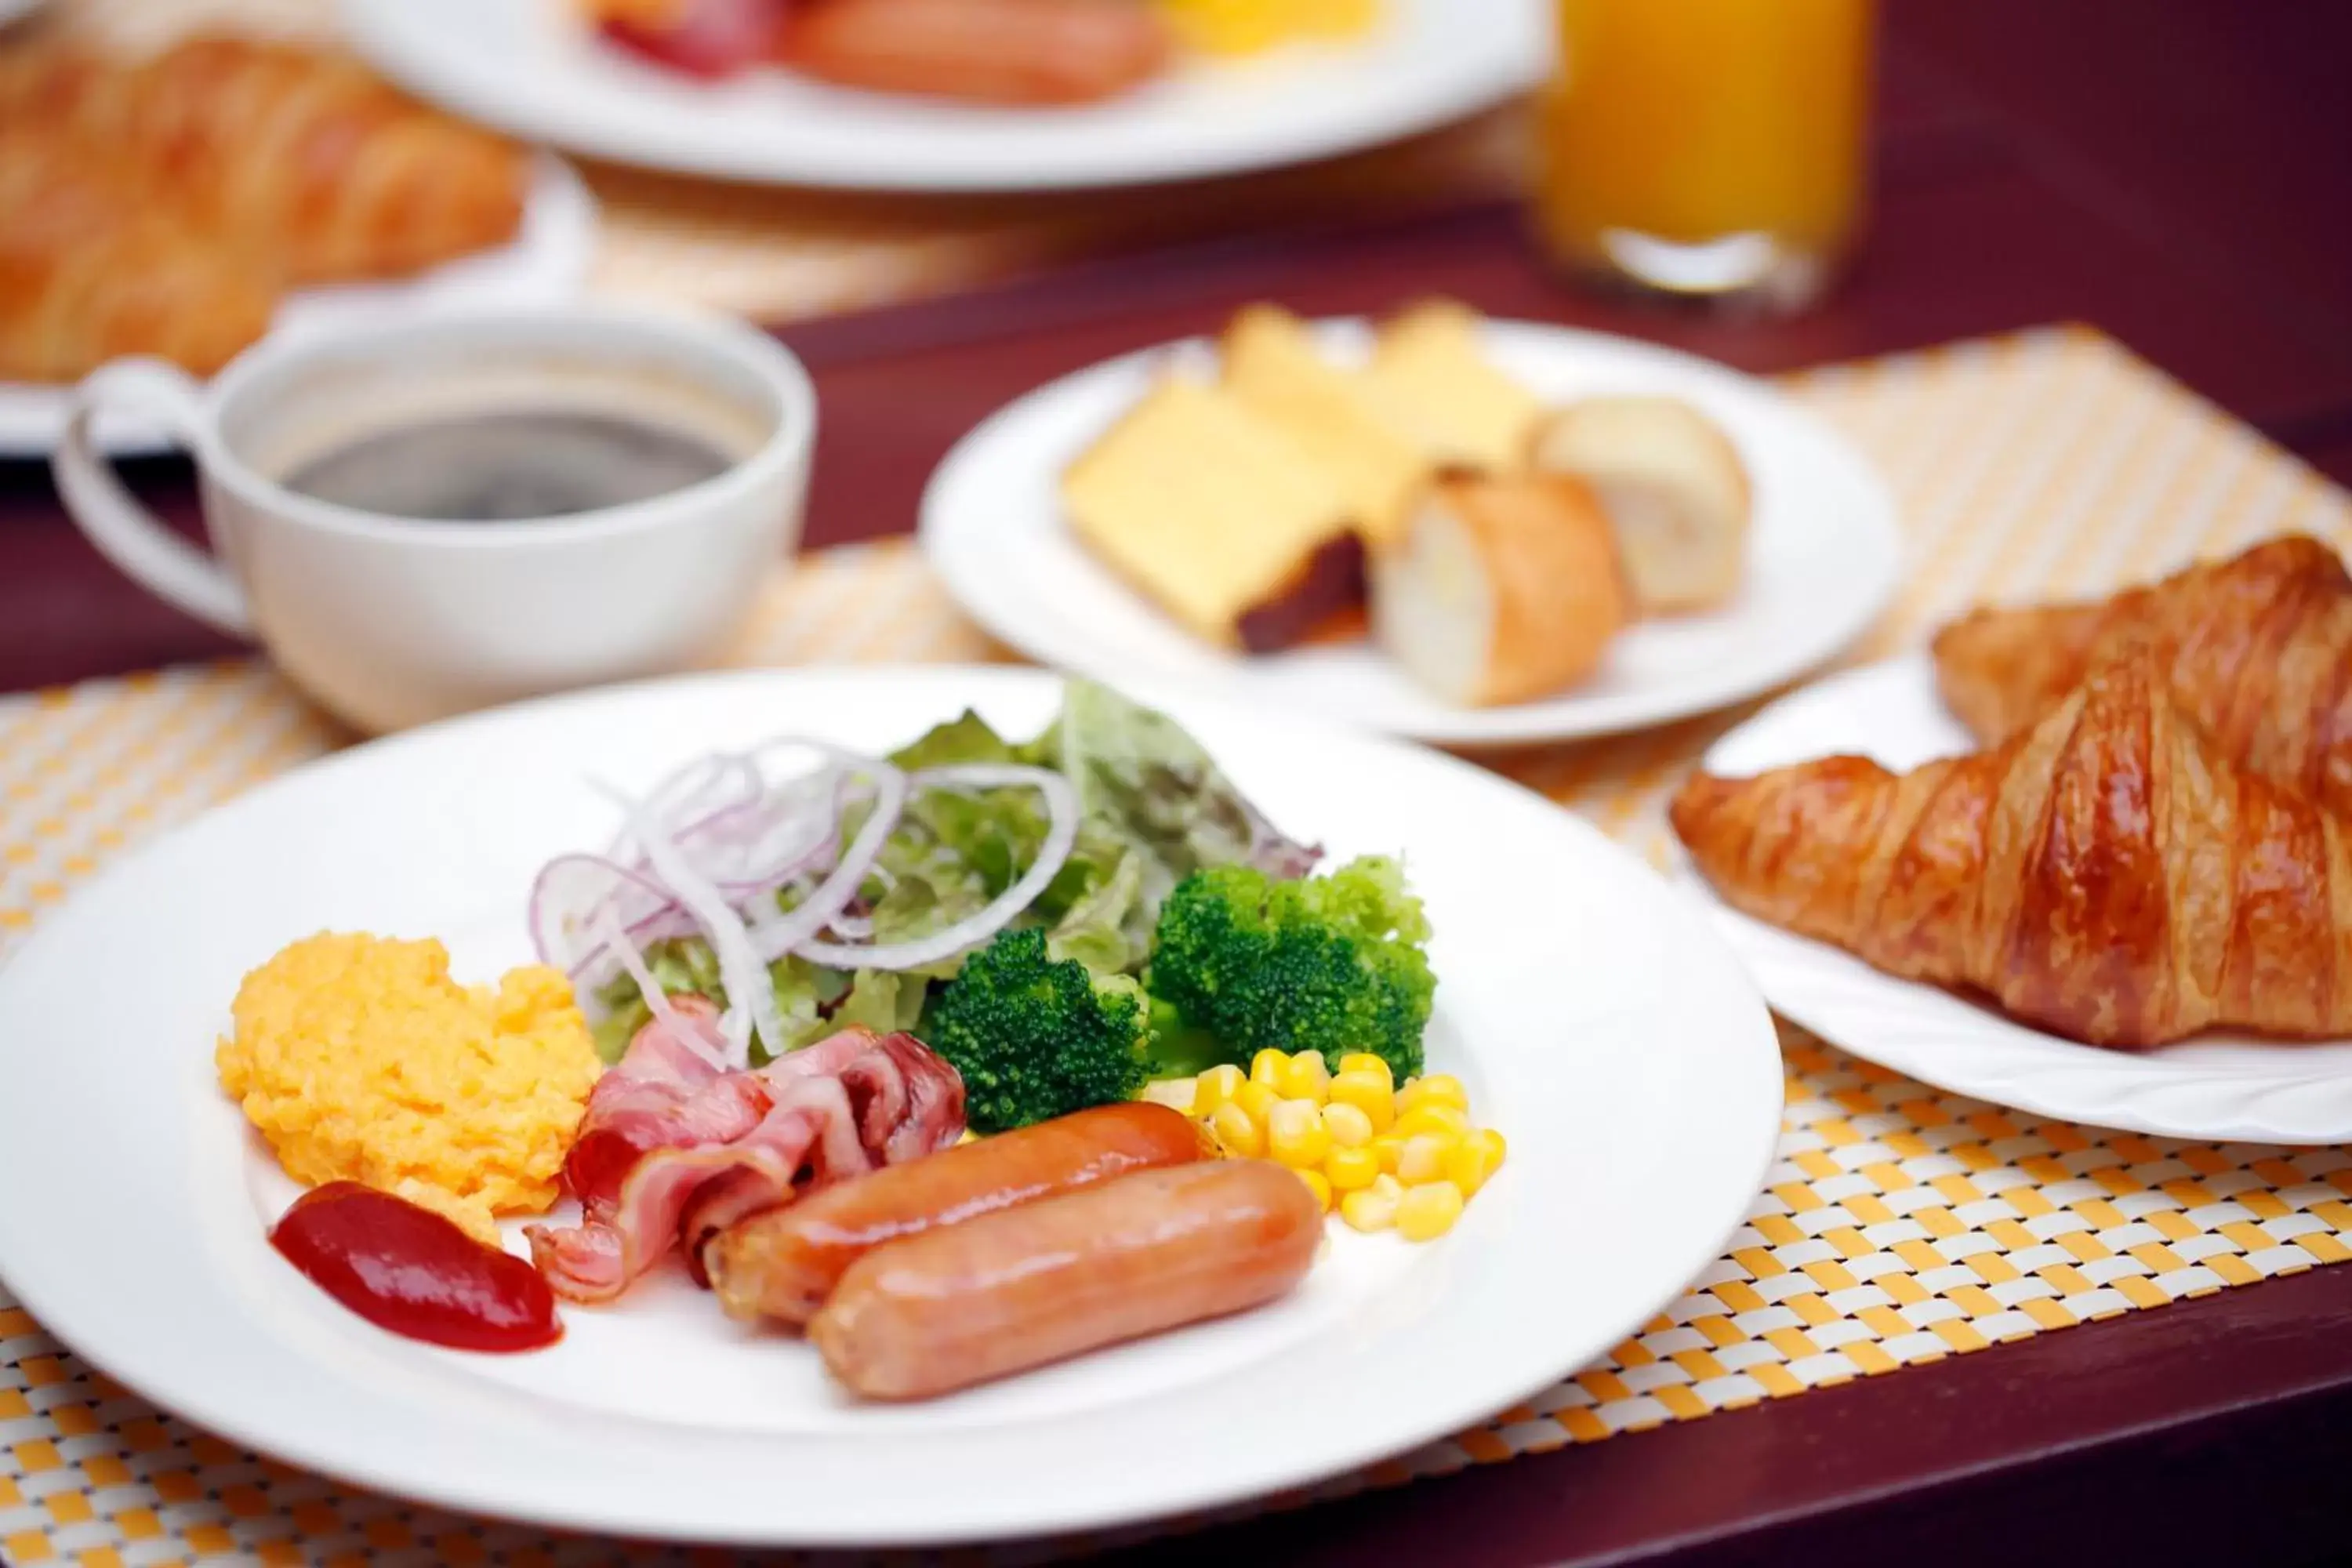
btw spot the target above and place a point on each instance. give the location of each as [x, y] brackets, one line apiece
[1034, 1285]
[999, 51]
[783, 1263]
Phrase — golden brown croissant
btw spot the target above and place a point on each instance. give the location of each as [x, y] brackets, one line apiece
[304, 154]
[2105, 875]
[2258, 650]
[89, 270]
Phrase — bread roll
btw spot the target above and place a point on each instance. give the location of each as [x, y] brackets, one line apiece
[1502, 589]
[1674, 488]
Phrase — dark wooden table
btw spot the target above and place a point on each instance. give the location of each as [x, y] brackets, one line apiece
[2178, 173]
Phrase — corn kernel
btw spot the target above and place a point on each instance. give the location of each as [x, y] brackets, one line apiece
[1352, 1169]
[1369, 1208]
[1303, 1077]
[1487, 1139]
[1259, 1099]
[1364, 1061]
[1178, 1094]
[1239, 1134]
[1350, 1128]
[1442, 1120]
[1422, 1158]
[1437, 1089]
[1389, 1148]
[1428, 1211]
[1465, 1165]
[1267, 1066]
[1295, 1134]
[1320, 1186]
[1215, 1086]
[1367, 1094]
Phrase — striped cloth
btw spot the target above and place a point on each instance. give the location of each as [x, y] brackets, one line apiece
[1900, 1223]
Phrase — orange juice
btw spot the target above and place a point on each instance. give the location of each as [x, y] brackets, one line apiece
[1705, 146]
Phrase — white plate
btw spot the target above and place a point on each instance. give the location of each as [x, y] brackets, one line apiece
[1824, 555]
[1596, 1019]
[531, 67]
[2212, 1087]
[10, 10]
[547, 261]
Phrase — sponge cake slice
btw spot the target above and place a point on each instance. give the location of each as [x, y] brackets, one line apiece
[1204, 507]
[1430, 366]
[1370, 451]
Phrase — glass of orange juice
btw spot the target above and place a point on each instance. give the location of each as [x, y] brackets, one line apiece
[1711, 148]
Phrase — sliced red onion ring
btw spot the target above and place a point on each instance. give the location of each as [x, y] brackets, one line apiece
[784, 932]
[750, 995]
[612, 941]
[756, 845]
[569, 893]
[715, 836]
[1061, 836]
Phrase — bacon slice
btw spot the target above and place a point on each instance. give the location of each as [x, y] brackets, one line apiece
[708, 38]
[673, 1149]
[667, 1092]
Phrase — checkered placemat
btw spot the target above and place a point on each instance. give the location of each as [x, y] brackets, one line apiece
[1900, 1223]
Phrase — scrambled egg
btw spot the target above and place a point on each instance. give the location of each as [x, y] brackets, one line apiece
[360, 1058]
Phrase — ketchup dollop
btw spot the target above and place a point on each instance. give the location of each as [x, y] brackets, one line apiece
[414, 1272]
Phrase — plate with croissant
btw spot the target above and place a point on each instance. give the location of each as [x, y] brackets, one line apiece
[1429, 523]
[2093, 861]
[183, 203]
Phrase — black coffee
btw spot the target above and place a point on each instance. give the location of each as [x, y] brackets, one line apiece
[509, 467]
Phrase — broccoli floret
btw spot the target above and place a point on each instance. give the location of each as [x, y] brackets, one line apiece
[1036, 1038]
[1329, 963]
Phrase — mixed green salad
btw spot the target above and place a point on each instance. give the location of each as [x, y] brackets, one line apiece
[1064, 918]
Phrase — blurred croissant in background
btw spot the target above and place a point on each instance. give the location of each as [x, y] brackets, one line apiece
[90, 270]
[2257, 650]
[2104, 873]
[146, 206]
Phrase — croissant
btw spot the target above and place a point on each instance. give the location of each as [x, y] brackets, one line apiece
[2258, 651]
[336, 172]
[90, 271]
[2106, 874]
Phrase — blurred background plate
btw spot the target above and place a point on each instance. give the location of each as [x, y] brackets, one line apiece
[547, 261]
[1824, 555]
[533, 68]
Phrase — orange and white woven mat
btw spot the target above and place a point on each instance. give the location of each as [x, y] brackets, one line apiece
[1900, 1224]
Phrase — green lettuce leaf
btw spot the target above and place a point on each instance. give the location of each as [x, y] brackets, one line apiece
[964, 739]
[1100, 927]
[1138, 773]
[883, 1001]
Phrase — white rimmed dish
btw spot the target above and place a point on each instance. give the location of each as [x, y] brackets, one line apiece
[535, 69]
[2216, 1086]
[1825, 556]
[1594, 1017]
[545, 263]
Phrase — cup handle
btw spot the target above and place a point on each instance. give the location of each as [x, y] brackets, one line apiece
[159, 560]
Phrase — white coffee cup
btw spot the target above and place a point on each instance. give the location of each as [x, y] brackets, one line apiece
[389, 621]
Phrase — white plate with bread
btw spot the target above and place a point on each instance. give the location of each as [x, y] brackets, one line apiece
[1462, 530]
